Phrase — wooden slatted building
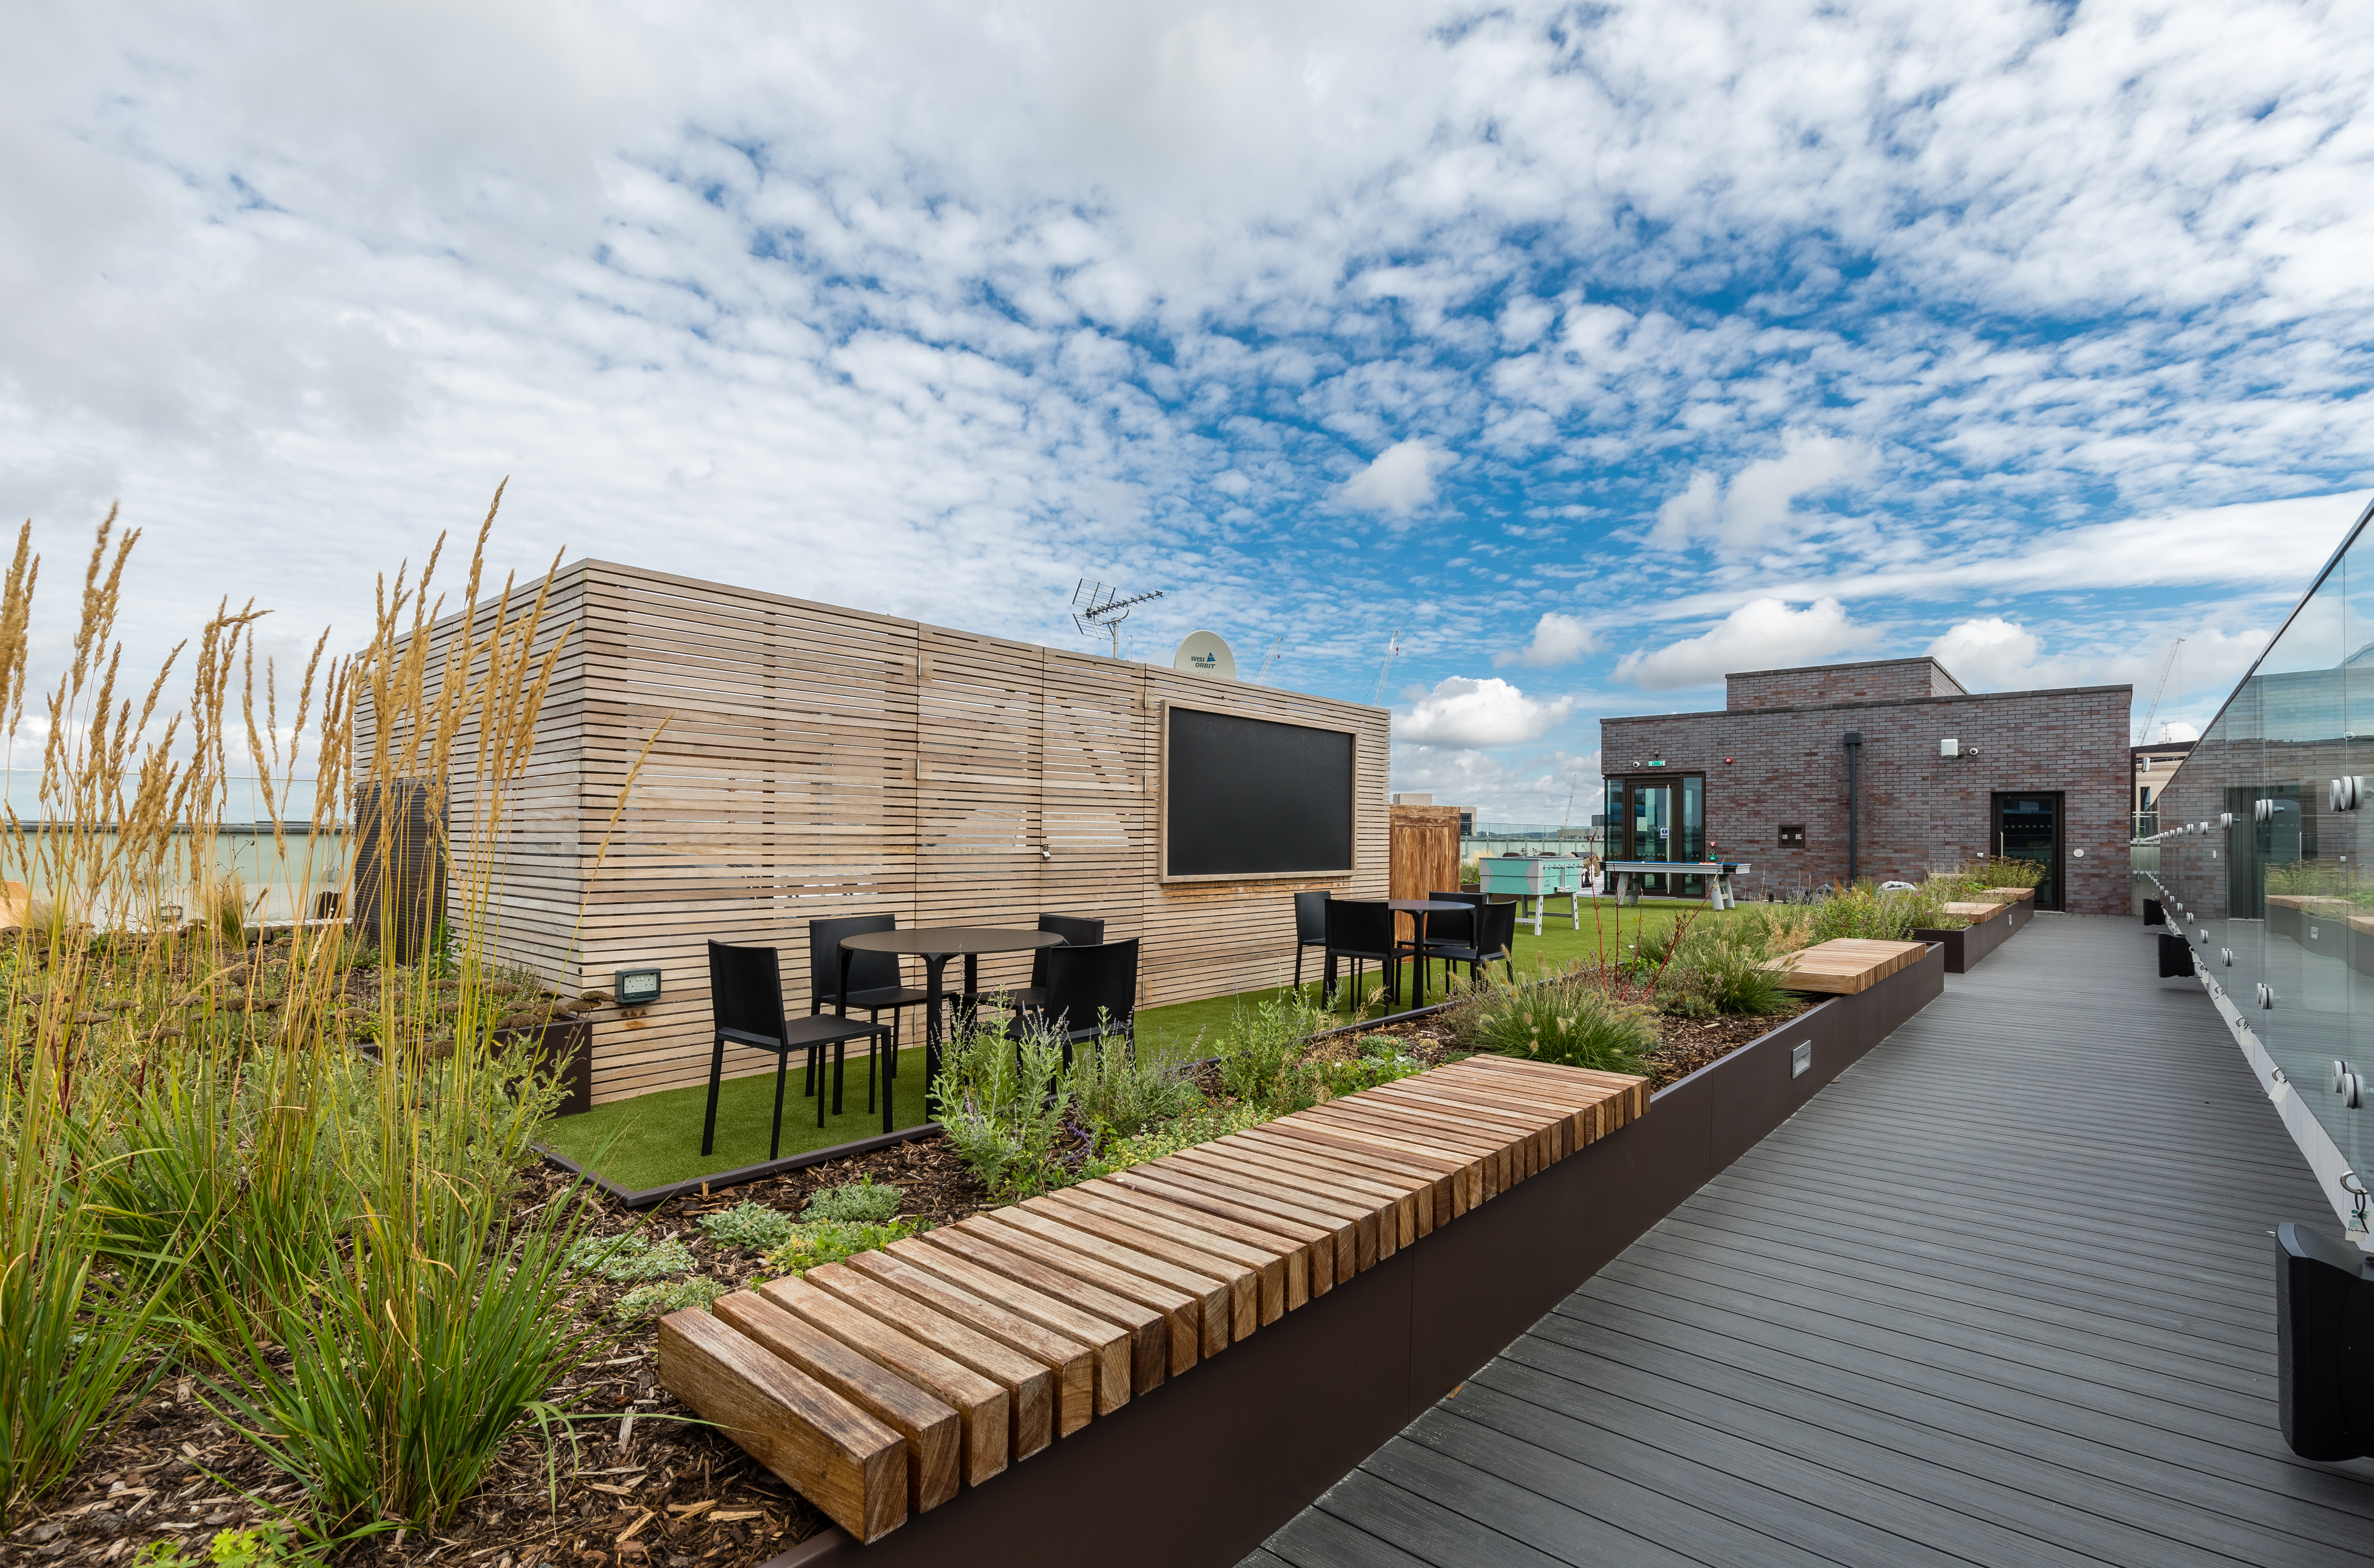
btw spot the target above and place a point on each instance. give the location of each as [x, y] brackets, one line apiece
[813, 760]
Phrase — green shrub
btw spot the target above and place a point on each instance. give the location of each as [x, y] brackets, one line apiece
[1381, 1060]
[813, 1244]
[630, 1255]
[860, 1202]
[1169, 1137]
[1568, 1021]
[1260, 1040]
[749, 1224]
[2004, 872]
[663, 1296]
[1865, 911]
[1122, 1091]
[1718, 979]
[1004, 1106]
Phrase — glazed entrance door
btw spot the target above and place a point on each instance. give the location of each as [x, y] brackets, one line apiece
[2027, 827]
[1651, 818]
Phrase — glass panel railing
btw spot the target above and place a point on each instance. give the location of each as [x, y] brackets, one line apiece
[2259, 837]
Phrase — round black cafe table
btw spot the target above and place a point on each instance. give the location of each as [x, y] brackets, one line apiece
[935, 946]
[1420, 908]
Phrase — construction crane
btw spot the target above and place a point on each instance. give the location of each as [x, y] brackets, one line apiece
[1393, 652]
[1267, 660]
[2153, 713]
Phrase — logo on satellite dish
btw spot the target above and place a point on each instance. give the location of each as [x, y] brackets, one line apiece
[1204, 654]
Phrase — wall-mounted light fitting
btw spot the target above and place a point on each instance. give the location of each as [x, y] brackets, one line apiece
[635, 987]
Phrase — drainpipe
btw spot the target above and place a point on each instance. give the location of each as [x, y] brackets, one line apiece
[1855, 760]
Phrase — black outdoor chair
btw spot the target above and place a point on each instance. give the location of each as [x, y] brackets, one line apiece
[1362, 930]
[1077, 931]
[1310, 926]
[873, 981]
[746, 1006]
[1091, 994]
[1495, 925]
[1446, 930]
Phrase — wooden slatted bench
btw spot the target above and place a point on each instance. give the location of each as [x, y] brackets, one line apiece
[1978, 912]
[1845, 965]
[879, 1387]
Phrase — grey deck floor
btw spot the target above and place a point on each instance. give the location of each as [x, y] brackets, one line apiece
[2002, 1294]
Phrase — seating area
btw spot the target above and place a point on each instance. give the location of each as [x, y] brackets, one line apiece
[1082, 987]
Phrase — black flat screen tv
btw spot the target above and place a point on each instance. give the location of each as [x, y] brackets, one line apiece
[1254, 798]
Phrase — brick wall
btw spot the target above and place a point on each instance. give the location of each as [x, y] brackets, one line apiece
[1879, 680]
[1918, 810]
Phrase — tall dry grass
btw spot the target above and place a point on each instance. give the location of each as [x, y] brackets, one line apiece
[275, 1162]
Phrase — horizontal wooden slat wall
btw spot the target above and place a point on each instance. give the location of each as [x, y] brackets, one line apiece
[815, 761]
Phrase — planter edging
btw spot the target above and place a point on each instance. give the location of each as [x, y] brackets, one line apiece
[1249, 1439]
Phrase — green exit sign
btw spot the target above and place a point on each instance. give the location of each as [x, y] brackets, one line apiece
[1658, 763]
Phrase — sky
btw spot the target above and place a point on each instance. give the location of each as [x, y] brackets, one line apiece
[1591, 351]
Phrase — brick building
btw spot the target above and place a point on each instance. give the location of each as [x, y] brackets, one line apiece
[1938, 774]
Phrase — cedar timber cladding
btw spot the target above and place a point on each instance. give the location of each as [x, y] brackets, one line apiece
[817, 761]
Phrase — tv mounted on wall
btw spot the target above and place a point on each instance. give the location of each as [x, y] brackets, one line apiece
[1245, 798]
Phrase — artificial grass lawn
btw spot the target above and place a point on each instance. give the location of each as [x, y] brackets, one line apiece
[652, 1140]
[1192, 1028]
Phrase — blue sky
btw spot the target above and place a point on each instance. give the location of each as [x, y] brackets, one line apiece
[1597, 350]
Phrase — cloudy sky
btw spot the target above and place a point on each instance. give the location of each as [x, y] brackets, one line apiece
[1595, 350]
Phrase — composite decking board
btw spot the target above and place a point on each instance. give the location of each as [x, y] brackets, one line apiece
[2027, 1494]
[1636, 1478]
[2016, 1318]
[2066, 1171]
[2005, 1280]
[1489, 1503]
[1610, 1385]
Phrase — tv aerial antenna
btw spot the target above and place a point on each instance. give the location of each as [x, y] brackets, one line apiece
[1267, 660]
[1393, 652]
[1099, 609]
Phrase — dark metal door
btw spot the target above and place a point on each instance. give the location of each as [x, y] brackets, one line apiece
[2027, 827]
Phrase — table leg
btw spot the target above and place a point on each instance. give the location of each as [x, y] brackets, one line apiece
[934, 965]
[1418, 986]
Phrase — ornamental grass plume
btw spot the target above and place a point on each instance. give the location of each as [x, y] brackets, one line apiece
[283, 1158]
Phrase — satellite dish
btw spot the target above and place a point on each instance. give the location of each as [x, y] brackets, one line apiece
[1204, 654]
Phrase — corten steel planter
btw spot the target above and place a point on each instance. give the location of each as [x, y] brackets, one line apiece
[1964, 949]
[1202, 1469]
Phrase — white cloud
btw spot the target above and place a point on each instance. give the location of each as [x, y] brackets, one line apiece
[1400, 480]
[1991, 654]
[1558, 639]
[2173, 730]
[1489, 712]
[1761, 498]
[1764, 634]
[2279, 544]
[1539, 790]
[934, 310]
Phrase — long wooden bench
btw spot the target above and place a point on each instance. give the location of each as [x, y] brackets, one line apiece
[880, 1387]
[1845, 965]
